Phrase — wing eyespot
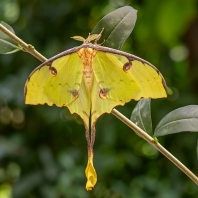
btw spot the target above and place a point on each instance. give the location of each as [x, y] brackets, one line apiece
[74, 93]
[103, 93]
[53, 71]
[127, 66]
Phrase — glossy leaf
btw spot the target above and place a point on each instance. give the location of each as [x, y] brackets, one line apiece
[3, 35]
[117, 25]
[141, 115]
[179, 120]
[7, 46]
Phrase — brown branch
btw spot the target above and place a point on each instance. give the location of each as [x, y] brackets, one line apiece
[26, 47]
[155, 144]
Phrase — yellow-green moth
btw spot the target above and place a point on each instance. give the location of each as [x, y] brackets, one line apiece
[91, 80]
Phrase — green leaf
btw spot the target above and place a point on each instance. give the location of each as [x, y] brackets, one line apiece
[141, 115]
[7, 48]
[179, 120]
[3, 35]
[6, 43]
[117, 25]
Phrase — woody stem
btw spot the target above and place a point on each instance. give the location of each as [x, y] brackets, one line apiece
[28, 48]
[158, 146]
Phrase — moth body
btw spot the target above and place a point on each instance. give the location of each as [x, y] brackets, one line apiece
[87, 55]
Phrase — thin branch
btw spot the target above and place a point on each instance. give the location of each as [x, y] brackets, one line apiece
[26, 47]
[158, 146]
[30, 49]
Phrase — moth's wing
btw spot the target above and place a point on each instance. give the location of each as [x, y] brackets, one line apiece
[107, 76]
[65, 88]
[121, 81]
[56, 85]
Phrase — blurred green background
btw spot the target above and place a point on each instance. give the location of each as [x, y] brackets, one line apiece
[43, 150]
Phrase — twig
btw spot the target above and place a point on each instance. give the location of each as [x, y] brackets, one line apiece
[158, 146]
[26, 47]
[30, 49]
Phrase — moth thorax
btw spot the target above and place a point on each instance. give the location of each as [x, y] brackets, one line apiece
[87, 55]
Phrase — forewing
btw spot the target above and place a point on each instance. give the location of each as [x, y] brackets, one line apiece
[59, 89]
[149, 79]
[121, 86]
[123, 80]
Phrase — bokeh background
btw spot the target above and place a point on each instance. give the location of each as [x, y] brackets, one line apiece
[43, 150]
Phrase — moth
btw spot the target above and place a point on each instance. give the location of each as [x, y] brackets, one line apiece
[91, 80]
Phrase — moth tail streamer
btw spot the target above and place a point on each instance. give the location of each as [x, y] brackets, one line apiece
[90, 170]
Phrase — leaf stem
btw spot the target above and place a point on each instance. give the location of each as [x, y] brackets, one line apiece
[26, 47]
[30, 49]
[158, 146]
